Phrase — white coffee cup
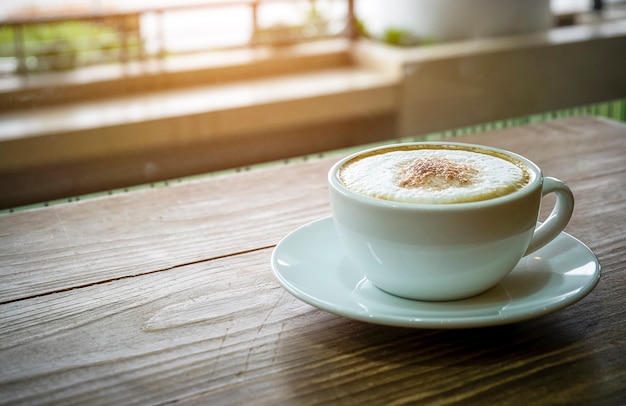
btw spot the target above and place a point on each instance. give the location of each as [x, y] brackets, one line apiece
[445, 251]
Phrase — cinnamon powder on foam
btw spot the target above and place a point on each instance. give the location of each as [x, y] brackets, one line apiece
[436, 173]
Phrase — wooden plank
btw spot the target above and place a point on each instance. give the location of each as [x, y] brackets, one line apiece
[224, 332]
[123, 235]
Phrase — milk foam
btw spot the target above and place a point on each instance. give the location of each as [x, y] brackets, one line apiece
[433, 176]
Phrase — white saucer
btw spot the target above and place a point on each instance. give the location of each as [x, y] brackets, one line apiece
[310, 265]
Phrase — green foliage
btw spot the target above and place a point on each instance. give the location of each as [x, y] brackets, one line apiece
[404, 38]
[394, 36]
[64, 45]
[361, 28]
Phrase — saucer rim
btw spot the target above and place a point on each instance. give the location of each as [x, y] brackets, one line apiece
[431, 322]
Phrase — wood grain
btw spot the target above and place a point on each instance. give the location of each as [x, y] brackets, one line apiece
[192, 334]
[166, 296]
[156, 229]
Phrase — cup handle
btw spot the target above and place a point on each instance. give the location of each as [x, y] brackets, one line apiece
[558, 218]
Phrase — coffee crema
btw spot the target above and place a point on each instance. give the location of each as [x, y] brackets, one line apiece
[434, 174]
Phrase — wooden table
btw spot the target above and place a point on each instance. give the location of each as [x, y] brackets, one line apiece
[166, 295]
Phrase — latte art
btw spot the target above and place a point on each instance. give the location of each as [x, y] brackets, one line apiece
[434, 176]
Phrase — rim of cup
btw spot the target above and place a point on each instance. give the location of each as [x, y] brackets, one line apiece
[337, 184]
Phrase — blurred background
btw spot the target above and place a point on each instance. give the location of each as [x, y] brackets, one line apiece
[104, 94]
[76, 31]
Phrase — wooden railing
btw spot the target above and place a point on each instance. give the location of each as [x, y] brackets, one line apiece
[120, 37]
